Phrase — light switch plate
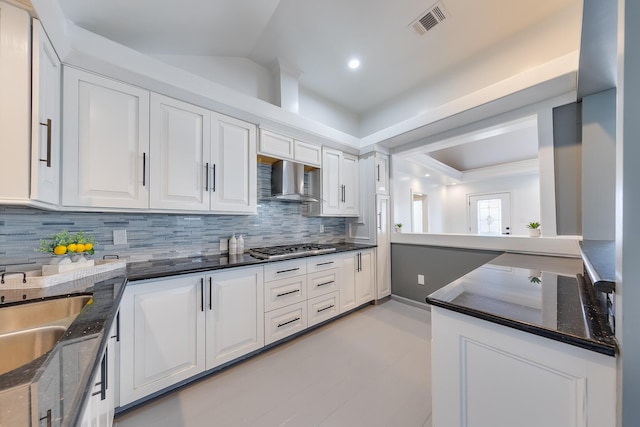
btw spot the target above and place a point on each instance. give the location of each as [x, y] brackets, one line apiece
[224, 245]
[420, 279]
[119, 237]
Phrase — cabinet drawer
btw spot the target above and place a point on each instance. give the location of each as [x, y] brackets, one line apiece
[323, 308]
[322, 282]
[281, 293]
[285, 321]
[319, 263]
[283, 269]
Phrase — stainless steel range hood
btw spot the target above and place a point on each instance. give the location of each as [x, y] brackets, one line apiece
[287, 182]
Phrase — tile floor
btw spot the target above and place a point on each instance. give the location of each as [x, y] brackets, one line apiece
[371, 368]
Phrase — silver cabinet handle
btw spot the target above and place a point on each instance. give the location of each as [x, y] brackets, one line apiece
[144, 169]
[206, 180]
[290, 321]
[379, 220]
[320, 310]
[378, 173]
[288, 293]
[325, 283]
[48, 159]
[287, 271]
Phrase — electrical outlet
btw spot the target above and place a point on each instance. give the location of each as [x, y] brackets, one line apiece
[119, 237]
[224, 245]
[321, 228]
[421, 279]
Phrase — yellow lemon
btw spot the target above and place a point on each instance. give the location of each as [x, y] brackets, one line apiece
[80, 247]
[71, 247]
[60, 250]
[88, 246]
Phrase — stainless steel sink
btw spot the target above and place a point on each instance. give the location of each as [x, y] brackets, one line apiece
[21, 347]
[29, 330]
[29, 315]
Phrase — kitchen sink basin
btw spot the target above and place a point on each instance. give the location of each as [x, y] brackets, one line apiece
[21, 347]
[29, 315]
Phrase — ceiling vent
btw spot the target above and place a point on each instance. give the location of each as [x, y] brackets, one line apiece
[429, 19]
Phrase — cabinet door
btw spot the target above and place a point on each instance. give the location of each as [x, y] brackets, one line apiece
[331, 183]
[383, 251]
[15, 98]
[347, 283]
[307, 153]
[45, 119]
[365, 275]
[276, 145]
[235, 314]
[161, 335]
[349, 178]
[106, 142]
[381, 174]
[180, 153]
[234, 167]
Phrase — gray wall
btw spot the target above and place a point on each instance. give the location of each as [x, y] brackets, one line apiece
[599, 165]
[439, 266]
[567, 135]
[162, 235]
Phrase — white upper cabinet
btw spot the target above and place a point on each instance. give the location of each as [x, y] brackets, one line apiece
[234, 169]
[106, 142]
[339, 185]
[15, 105]
[180, 155]
[287, 148]
[45, 119]
[381, 173]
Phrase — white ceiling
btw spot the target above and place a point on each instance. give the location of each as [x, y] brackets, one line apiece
[318, 37]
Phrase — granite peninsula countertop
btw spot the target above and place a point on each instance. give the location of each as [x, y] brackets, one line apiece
[599, 258]
[541, 295]
[75, 357]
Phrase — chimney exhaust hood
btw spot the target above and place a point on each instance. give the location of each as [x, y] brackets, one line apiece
[287, 182]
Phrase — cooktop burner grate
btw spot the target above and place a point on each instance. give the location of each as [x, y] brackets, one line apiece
[272, 252]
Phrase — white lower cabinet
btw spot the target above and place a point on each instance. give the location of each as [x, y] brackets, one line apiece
[285, 321]
[280, 293]
[357, 279]
[175, 328]
[234, 314]
[162, 335]
[323, 282]
[100, 404]
[323, 308]
[486, 374]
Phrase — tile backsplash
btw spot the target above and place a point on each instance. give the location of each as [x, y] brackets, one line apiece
[163, 235]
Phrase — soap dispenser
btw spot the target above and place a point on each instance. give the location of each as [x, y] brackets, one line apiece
[240, 244]
[233, 245]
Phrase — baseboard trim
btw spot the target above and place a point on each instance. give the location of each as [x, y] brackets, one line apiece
[411, 302]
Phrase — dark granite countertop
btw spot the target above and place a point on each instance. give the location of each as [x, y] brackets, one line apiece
[599, 258]
[171, 267]
[77, 354]
[536, 294]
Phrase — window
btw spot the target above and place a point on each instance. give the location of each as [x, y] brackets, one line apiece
[419, 222]
[490, 214]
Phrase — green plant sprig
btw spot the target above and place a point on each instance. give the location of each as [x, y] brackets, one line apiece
[64, 238]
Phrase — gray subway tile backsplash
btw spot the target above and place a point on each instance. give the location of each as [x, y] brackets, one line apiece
[152, 235]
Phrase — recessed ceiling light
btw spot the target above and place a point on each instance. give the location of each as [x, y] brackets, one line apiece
[427, 174]
[354, 63]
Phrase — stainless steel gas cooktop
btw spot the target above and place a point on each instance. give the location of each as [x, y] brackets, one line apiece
[275, 252]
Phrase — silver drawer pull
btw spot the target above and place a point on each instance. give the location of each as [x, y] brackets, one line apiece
[325, 283]
[326, 308]
[290, 321]
[288, 293]
[324, 263]
[287, 271]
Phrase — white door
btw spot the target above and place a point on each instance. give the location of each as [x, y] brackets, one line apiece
[349, 177]
[331, 182]
[490, 214]
[106, 142]
[235, 314]
[45, 119]
[383, 251]
[348, 283]
[365, 275]
[180, 150]
[234, 170]
[162, 335]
